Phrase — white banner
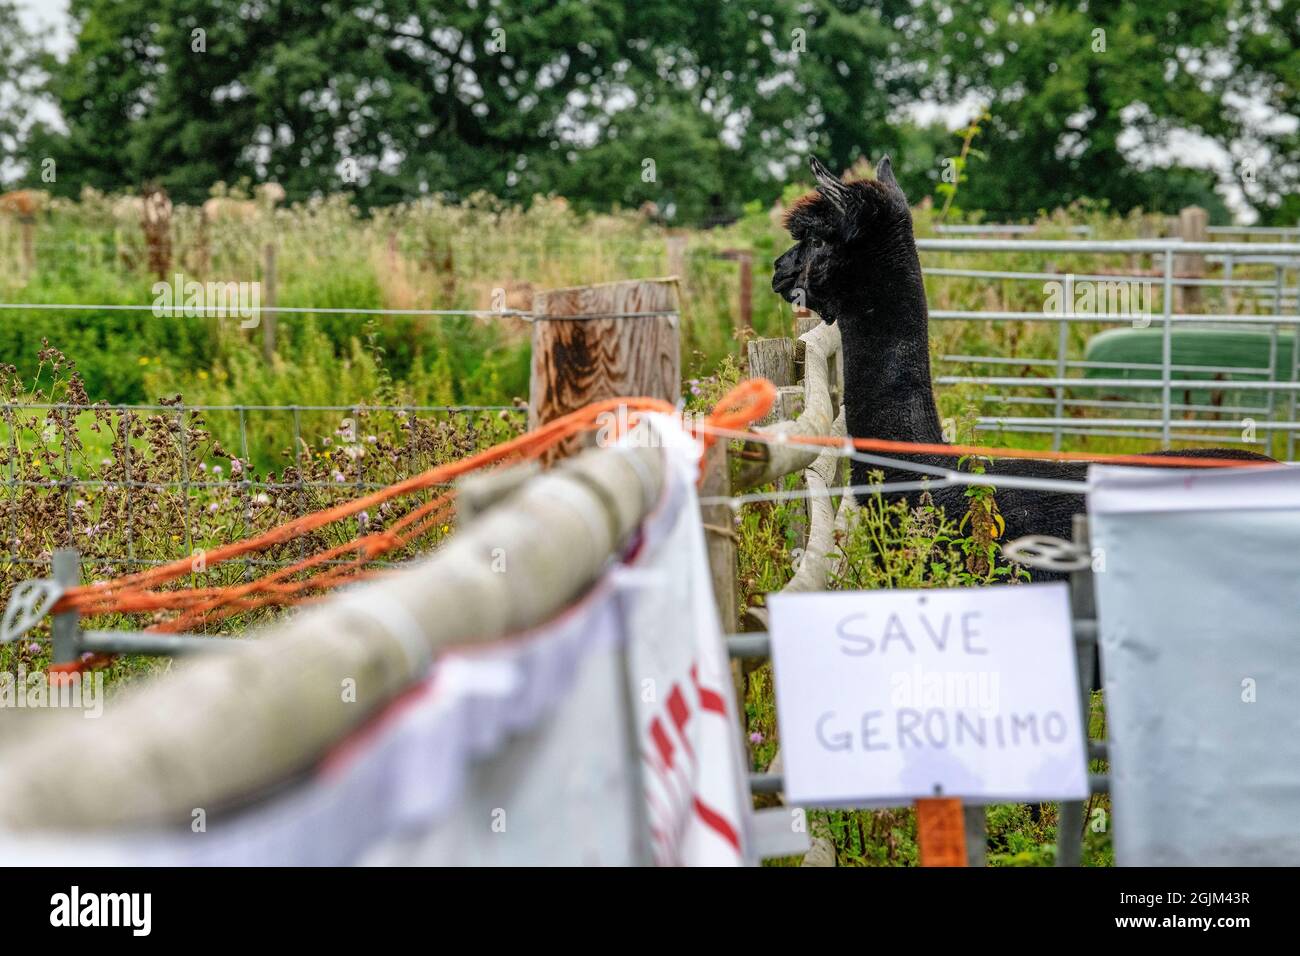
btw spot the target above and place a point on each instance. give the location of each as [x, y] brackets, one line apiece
[887, 696]
[521, 751]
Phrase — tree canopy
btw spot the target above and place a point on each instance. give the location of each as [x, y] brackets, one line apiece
[696, 107]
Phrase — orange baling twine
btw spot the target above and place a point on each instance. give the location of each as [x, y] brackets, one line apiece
[731, 417]
[745, 404]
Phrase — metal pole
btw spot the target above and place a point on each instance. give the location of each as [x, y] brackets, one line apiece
[642, 855]
[65, 628]
[977, 839]
[1279, 277]
[1295, 374]
[1227, 283]
[1062, 344]
[1070, 822]
[1167, 349]
[269, 318]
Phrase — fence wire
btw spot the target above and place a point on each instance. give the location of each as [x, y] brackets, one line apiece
[135, 486]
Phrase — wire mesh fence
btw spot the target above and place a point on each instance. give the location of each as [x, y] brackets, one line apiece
[134, 486]
[1208, 353]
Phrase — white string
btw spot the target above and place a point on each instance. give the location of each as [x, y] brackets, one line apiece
[945, 476]
[222, 311]
[799, 494]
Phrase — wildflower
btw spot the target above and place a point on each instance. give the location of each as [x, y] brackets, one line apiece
[363, 520]
[216, 469]
[338, 477]
[203, 466]
[79, 504]
[213, 508]
[262, 499]
[33, 648]
[756, 738]
[236, 466]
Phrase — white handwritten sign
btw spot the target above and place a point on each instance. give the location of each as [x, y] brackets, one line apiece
[887, 696]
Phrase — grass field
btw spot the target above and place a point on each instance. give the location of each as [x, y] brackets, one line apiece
[223, 475]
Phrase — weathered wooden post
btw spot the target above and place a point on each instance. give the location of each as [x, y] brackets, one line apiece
[618, 339]
[720, 536]
[28, 229]
[156, 224]
[746, 295]
[269, 317]
[774, 360]
[675, 247]
[203, 243]
[747, 290]
[1192, 224]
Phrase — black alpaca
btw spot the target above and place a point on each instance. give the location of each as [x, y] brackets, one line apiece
[854, 262]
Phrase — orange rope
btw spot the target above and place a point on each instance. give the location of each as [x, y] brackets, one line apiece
[138, 592]
[957, 451]
[745, 404]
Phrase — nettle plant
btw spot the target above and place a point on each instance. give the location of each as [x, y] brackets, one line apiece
[131, 487]
[893, 544]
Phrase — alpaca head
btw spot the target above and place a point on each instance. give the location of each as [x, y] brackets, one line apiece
[839, 230]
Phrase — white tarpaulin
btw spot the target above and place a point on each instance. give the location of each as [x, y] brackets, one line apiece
[519, 751]
[1198, 592]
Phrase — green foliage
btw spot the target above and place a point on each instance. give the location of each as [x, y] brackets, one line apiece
[19, 55]
[955, 167]
[1083, 97]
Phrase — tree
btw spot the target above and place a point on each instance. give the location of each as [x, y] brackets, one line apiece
[1085, 95]
[403, 97]
[19, 90]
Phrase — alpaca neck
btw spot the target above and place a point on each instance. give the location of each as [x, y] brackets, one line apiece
[886, 340]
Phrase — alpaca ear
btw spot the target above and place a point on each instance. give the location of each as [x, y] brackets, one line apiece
[829, 185]
[885, 172]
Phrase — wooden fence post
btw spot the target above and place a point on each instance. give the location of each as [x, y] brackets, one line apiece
[675, 246]
[1192, 223]
[28, 229]
[156, 224]
[269, 318]
[204, 246]
[747, 290]
[774, 360]
[746, 294]
[618, 339]
[720, 536]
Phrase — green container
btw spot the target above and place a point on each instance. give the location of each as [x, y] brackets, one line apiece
[1221, 348]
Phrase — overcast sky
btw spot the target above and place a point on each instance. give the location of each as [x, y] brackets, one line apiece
[49, 18]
